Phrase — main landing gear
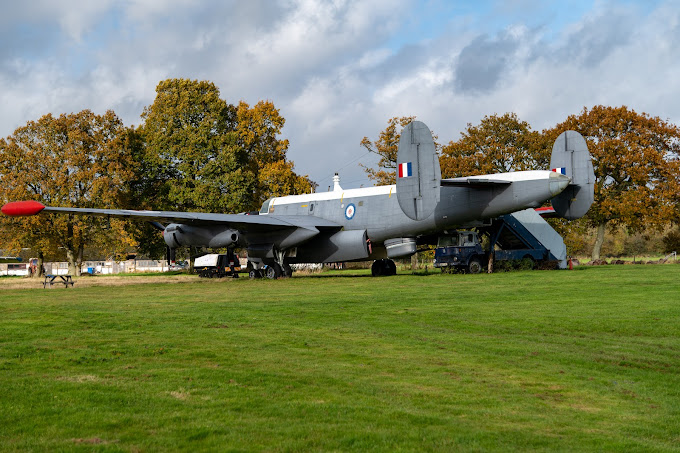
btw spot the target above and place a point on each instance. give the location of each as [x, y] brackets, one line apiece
[271, 271]
[383, 267]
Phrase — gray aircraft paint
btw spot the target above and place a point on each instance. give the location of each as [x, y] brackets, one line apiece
[418, 173]
[570, 152]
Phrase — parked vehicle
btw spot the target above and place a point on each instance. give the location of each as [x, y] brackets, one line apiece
[216, 265]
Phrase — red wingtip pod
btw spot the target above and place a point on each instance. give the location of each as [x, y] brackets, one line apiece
[23, 208]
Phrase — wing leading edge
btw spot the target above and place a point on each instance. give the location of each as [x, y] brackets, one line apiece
[241, 222]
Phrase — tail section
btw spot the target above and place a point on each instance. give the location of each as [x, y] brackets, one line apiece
[570, 157]
[418, 173]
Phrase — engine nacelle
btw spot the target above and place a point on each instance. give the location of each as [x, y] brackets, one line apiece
[400, 247]
[179, 235]
[330, 248]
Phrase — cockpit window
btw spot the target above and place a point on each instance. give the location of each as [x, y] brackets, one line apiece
[265, 206]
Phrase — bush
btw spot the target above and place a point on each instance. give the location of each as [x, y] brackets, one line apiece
[671, 241]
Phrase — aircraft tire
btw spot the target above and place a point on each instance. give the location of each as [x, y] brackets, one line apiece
[390, 267]
[273, 271]
[383, 267]
[287, 270]
[377, 268]
[475, 266]
[254, 273]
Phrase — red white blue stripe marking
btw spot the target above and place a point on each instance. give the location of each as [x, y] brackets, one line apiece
[562, 170]
[405, 170]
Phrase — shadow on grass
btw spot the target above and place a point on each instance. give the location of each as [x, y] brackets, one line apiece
[421, 273]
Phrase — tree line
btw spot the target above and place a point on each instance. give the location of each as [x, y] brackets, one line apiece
[193, 151]
[636, 159]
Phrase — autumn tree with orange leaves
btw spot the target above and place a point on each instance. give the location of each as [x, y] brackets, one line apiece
[258, 129]
[386, 146]
[75, 160]
[635, 158]
[497, 145]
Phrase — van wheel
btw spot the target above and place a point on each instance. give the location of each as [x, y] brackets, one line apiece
[475, 266]
[527, 263]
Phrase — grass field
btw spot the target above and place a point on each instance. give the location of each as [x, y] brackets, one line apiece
[585, 360]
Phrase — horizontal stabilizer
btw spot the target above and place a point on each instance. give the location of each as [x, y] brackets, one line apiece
[472, 181]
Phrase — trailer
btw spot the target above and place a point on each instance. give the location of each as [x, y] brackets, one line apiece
[214, 265]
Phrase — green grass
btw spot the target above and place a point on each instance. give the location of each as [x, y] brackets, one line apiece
[587, 360]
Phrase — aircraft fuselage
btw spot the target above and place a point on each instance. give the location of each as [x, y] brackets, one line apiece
[376, 209]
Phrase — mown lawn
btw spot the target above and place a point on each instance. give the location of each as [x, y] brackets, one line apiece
[585, 360]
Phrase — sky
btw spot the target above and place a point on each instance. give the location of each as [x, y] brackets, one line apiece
[338, 70]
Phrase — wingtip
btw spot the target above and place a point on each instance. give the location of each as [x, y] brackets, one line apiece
[22, 208]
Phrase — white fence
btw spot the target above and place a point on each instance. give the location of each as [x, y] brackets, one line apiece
[93, 267]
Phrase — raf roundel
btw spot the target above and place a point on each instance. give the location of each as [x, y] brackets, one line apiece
[350, 210]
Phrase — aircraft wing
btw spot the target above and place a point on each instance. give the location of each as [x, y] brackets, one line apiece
[474, 181]
[242, 222]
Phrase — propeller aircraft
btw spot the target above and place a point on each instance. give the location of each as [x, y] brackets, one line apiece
[376, 223]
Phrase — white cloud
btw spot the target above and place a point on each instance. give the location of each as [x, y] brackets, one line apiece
[333, 68]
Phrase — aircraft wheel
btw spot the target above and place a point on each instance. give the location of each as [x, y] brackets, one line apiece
[377, 268]
[390, 267]
[273, 271]
[287, 270]
[254, 273]
[475, 267]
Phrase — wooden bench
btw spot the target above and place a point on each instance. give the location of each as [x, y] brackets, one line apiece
[51, 280]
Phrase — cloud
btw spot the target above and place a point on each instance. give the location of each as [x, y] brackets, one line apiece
[482, 62]
[338, 70]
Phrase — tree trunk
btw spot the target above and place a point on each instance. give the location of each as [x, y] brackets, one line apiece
[71, 258]
[79, 260]
[599, 240]
[40, 266]
[414, 261]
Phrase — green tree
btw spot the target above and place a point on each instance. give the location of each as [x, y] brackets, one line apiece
[201, 153]
[497, 145]
[191, 153]
[75, 160]
[636, 168]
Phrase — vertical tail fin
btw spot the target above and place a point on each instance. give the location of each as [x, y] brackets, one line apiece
[418, 173]
[570, 156]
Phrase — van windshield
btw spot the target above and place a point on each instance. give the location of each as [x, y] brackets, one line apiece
[447, 241]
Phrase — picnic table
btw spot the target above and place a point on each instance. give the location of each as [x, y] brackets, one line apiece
[50, 280]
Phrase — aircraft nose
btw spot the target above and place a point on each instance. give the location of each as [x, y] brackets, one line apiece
[558, 182]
